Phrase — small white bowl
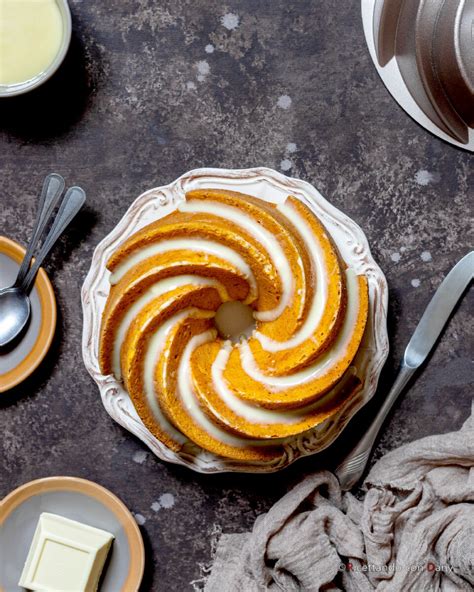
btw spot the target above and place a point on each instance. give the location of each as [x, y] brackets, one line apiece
[11, 90]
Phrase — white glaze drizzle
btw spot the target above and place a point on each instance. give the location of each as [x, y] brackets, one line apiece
[259, 415]
[153, 292]
[249, 412]
[152, 354]
[320, 295]
[328, 358]
[193, 244]
[191, 403]
[188, 397]
[263, 236]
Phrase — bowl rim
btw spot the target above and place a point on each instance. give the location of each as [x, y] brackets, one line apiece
[158, 202]
[20, 88]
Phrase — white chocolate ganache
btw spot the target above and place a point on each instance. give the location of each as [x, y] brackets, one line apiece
[31, 35]
[238, 398]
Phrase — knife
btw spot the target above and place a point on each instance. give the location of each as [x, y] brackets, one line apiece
[424, 338]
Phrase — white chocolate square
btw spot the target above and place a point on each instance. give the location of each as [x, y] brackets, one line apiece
[65, 556]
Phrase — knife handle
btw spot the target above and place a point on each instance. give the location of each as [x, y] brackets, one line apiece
[350, 470]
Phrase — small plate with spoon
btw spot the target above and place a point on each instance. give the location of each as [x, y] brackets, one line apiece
[27, 304]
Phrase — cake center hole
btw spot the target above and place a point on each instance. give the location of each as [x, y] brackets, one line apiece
[234, 320]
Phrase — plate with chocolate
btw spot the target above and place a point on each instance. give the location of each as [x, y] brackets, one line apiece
[66, 533]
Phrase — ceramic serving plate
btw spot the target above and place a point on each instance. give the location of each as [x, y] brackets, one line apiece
[20, 360]
[271, 186]
[77, 499]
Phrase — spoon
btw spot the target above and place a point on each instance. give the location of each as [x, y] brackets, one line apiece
[53, 186]
[15, 307]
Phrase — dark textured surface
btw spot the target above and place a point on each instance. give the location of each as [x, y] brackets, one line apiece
[138, 102]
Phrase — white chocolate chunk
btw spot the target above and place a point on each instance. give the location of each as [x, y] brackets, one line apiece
[65, 556]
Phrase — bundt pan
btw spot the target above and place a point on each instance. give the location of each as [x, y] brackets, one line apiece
[141, 260]
[424, 53]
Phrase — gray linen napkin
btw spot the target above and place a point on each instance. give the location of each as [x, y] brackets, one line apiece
[414, 531]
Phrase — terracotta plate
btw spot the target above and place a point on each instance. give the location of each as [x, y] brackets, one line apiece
[20, 361]
[79, 500]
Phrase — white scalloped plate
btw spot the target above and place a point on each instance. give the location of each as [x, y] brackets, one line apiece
[271, 186]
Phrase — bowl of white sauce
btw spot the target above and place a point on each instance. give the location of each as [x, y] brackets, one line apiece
[34, 38]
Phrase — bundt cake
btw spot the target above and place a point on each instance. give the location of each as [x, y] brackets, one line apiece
[239, 399]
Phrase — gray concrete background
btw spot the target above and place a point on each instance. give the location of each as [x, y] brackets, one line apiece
[151, 89]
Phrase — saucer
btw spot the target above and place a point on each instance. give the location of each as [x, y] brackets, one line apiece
[19, 362]
[80, 500]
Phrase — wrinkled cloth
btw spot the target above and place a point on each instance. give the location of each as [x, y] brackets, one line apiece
[413, 531]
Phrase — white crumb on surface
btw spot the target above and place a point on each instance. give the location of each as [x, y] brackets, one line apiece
[165, 501]
[284, 102]
[139, 519]
[415, 283]
[286, 164]
[209, 48]
[140, 457]
[203, 69]
[291, 147]
[424, 177]
[395, 257]
[426, 256]
[190, 85]
[230, 21]
[403, 249]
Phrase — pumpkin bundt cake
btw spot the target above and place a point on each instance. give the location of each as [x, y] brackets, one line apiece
[242, 399]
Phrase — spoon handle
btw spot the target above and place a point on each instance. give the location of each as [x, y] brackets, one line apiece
[53, 186]
[70, 206]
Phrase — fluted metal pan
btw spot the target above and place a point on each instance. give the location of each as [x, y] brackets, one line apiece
[453, 54]
[431, 42]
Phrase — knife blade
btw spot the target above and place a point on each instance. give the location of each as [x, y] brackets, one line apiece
[438, 311]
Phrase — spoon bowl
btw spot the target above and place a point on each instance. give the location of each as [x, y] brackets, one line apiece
[14, 313]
